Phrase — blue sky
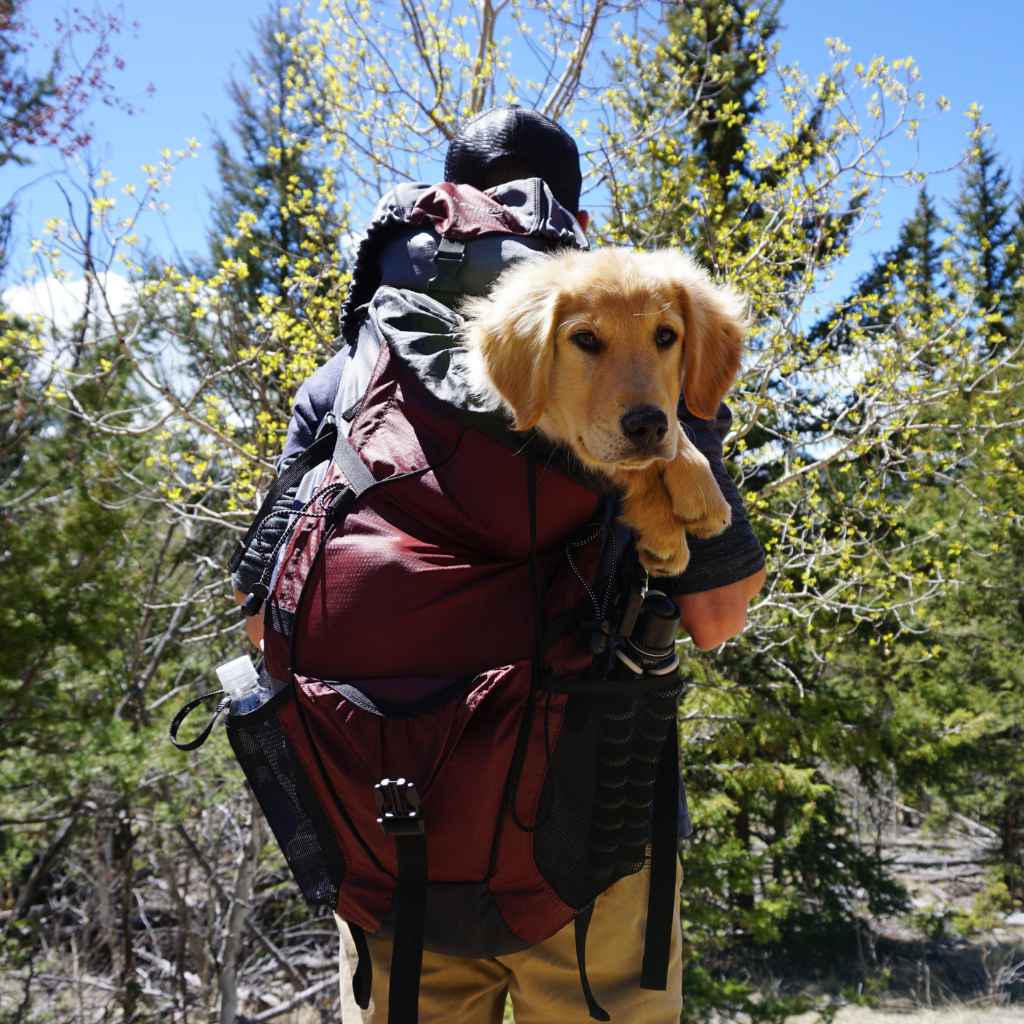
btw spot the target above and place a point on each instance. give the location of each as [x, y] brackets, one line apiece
[189, 48]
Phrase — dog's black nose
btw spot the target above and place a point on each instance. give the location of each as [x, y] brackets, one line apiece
[645, 426]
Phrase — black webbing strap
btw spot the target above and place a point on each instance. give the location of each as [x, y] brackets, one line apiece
[597, 1011]
[362, 976]
[180, 717]
[359, 478]
[663, 900]
[319, 451]
[410, 918]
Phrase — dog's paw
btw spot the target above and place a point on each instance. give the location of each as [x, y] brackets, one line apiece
[669, 562]
[660, 533]
[697, 501]
[717, 519]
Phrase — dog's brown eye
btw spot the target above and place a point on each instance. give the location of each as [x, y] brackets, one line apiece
[664, 337]
[586, 340]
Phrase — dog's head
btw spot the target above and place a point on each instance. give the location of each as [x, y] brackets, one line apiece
[594, 349]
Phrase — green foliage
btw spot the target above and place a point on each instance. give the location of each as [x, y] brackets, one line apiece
[985, 231]
[878, 445]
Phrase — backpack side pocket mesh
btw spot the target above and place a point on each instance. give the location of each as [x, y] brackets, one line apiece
[283, 792]
[599, 791]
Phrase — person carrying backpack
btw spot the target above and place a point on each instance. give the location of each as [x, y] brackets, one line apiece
[438, 592]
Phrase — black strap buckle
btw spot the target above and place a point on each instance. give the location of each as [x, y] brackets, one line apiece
[254, 602]
[398, 807]
[447, 264]
[449, 250]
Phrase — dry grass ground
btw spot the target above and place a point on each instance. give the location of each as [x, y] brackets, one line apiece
[925, 967]
[949, 1015]
[919, 968]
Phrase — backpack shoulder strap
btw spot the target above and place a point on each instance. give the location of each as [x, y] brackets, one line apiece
[663, 898]
[359, 478]
[319, 451]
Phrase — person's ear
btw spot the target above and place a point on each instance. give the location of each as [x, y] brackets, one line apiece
[513, 330]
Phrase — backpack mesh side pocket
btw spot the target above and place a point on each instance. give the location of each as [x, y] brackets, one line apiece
[599, 792]
[283, 792]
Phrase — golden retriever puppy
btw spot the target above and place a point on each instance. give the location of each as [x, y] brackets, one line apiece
[593, 349]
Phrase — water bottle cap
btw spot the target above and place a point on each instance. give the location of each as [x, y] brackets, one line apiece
[238, 676]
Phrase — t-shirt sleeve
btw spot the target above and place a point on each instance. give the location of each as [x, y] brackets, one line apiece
[735, 553]
[314, 400]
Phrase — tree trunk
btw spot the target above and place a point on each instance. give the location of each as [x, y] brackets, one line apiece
[42, 868]
[241, 898]
[123, 850]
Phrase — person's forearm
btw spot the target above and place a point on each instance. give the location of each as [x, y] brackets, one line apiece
[713, 616]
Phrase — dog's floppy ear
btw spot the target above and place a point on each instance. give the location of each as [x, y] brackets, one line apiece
[715, 319]
[513, 333]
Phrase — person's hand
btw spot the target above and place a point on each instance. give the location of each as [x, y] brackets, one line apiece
[253, 623]
[714, 616]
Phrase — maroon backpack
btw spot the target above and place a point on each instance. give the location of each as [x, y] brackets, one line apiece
[473, 734]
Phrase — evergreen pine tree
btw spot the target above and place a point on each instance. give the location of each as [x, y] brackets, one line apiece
[729, 43]
[275, 251]
[909, 275]
[1015, 266]
[951, 673]
[983, 207]
[708, 64]
[270, 182]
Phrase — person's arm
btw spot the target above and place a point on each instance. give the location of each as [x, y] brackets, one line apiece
[713, 616]
[725, 572]
[313, 401]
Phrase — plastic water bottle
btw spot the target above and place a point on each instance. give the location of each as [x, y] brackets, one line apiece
[247, 688]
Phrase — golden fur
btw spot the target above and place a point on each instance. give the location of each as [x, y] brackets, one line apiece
[575, 342]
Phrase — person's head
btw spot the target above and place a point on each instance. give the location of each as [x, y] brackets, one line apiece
[509, 143]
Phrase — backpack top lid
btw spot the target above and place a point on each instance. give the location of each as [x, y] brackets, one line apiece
[400, 247]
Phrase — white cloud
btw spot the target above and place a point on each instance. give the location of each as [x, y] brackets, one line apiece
[60, 303]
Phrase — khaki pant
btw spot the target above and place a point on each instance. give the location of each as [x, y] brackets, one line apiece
[543, 981]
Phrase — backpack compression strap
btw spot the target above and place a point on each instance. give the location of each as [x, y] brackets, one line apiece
[357, 474]
[362, 976]
[582, 925]
[398, 807]
[663, 898]
[359, 478]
